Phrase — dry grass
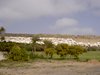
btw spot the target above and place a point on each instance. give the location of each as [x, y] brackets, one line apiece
[53, 67]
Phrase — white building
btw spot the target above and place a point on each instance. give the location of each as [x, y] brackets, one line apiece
[54, 40]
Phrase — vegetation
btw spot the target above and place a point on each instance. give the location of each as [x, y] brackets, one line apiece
[6, 46]
[93, 48]
[16, 51]
[50, 52]
[76, 51]
[24, 52]
[34, 44]
[48, 44]
[62, 49]
[49, 48]
[2, 33]
[90, 55]
[18, 54]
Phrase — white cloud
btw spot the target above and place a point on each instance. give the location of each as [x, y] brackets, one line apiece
[66, 22]
[21, 9]
[71, 26]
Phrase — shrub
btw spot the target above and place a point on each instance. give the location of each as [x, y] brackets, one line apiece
[36, 56]
[6, 46]
[39, 47]
[18, 54]
[48, 44]
[49, 48]
[75, 50]
[49, 52]
[93, 48]
[62, 49]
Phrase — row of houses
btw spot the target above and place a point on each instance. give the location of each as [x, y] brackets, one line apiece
[69, 41]
[19, 39]
[54, 40]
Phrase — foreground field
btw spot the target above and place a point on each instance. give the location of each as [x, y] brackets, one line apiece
[44, 66]
[50, 67]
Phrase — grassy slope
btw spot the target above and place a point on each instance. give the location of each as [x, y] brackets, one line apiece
[91, 55]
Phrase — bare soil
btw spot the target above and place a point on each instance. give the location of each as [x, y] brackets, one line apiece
[54, 68]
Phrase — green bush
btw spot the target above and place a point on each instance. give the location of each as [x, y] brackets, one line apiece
[48, 44]
[73, 50]
[18, 54]
[6, 46]
[49, 52]
[62, 49]
[76, 50]
[36, 56]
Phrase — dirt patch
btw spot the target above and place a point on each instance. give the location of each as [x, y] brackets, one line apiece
[1, 56]
[93, 61]
[54, 68]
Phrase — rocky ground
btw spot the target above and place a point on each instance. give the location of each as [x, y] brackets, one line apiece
[54, 68]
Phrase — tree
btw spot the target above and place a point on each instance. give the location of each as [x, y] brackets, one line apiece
[48, 44]
[35, 39]
[76, 50]
[18, 54]
[49, 48]
[62, 49]
[49, 52]
[93, 48]
[2, 33]
[34, 44]
[2, 30]
[6, 46]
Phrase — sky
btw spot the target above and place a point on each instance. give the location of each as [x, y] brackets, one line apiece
[76, 17]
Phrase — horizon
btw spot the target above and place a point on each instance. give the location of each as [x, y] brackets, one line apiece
[49, 34]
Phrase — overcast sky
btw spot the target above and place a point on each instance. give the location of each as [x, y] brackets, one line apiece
[51, 16]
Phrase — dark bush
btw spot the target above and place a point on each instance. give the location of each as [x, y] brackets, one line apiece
[6, 46]
[93, 48]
